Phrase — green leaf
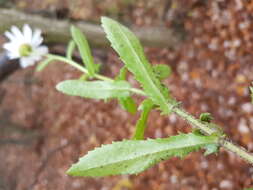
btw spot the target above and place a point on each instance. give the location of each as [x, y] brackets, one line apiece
[134, 156]
[70, 49]
[122, 74]
[141, 124]
[216, 129]
[131, 52]
[162, 71]
[206, 117]
[43, 64]
[127, 103]
[84, 49]
[95, 89]
[211, 148]
[83, 77]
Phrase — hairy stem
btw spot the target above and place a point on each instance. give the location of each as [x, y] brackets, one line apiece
[240, 151]
[248, 157]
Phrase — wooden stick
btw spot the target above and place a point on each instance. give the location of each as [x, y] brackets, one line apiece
[57, 31]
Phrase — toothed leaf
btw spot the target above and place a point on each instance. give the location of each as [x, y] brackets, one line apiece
[135, 156]
[131, 53]
[95, 89]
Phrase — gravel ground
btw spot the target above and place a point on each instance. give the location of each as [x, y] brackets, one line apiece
[43, 132]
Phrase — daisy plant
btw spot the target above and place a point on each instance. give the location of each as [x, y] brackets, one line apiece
[138, 153]
[25, 45]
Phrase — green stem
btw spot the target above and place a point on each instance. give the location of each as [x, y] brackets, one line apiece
[193, 121]
[248, 157]
[77, 66]
[84, 70]
[240, 151]
[180, 112]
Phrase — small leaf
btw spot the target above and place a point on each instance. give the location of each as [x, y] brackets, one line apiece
[135, 156]
[211, 148]
[84, 49]
[43, 64]
[206, 117]
[128, 104]
[141, 124]
[70, 49]
[95, 89]
[122, 74]
[132, 54]
[162, 71]
[217, 130]
[97, 67]
[84, 77]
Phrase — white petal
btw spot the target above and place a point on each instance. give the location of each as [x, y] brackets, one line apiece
[12, 48]
[12, 55]
[37, 39]
[10, 36]
[42, 50]
[26, 62]
[27, 31]
[9, 46]
[37, 42]
[36, 57]
[17, 33]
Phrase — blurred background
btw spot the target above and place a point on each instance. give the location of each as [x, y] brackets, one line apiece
[207, 43]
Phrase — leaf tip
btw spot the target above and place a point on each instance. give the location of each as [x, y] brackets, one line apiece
[72, 27]
[72, 171]
[59, 86]
[104, 19]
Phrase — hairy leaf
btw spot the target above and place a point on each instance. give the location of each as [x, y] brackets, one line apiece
[70, 49]
[162, 71]
[84, 49]
[95, 89]
[134, 156]
[131, 52]
[141, 124]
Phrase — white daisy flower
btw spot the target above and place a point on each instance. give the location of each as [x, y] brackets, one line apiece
[25, 45]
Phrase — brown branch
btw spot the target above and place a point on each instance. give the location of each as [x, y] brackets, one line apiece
[57, 31]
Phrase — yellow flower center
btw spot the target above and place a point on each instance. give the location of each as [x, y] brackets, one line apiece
[25, 50]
